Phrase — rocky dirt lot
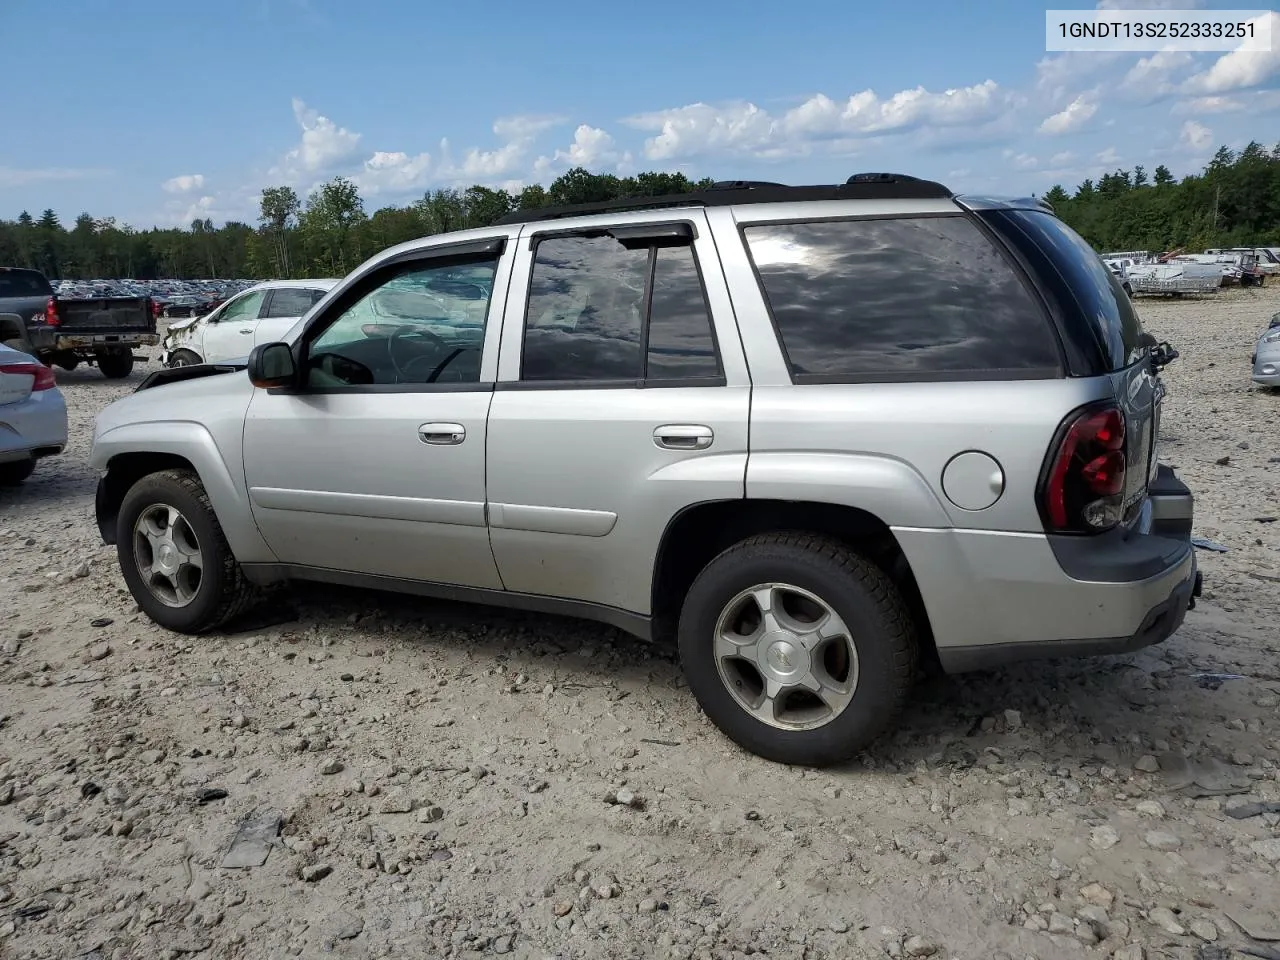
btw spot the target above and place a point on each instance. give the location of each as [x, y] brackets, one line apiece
[461, 782]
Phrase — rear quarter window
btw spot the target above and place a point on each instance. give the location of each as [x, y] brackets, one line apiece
[24, 283]
[919, 298]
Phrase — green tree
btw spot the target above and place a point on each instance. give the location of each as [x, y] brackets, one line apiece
[278, 214]
[328, 227]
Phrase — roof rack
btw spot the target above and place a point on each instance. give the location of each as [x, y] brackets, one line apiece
[723, 193]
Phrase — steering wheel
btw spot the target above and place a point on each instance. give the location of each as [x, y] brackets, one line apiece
[403, 333]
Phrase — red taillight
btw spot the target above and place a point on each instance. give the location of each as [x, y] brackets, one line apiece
[44, 378]
[51, 313]
[1084, 489]
[155, 308]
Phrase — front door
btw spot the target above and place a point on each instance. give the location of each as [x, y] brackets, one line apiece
[623, 398]
[377, 465]
[228, 333]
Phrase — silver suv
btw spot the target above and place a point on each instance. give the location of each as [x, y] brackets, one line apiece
[819, 432]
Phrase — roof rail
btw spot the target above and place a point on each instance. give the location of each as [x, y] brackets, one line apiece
[876, 186]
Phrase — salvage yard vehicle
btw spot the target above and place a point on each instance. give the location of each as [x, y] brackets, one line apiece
[101, 330]
[819, 433]
[1266, 356]
[263, 313]
[33, 415]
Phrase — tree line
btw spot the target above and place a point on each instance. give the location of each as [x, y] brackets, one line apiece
[1234, 201]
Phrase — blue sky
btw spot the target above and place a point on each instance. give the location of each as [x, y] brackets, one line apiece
[153, 111]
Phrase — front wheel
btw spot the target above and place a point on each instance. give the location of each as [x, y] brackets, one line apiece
[116, 364]
[174, 556]
[797, 648]
[183, 358]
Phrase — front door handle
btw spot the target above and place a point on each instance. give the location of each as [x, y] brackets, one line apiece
[246, 332]
[442, 433]
[683, 436]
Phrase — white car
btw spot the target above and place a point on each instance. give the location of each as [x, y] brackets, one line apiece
[33, 415]
[264, 313]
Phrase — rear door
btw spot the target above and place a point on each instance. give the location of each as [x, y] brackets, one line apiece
[622, 398]
[285, 306]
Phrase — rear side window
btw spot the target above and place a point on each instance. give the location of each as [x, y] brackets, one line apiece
[23, 283]
[290, 302]
[1097, 294]
[603, 310]
[898, 299]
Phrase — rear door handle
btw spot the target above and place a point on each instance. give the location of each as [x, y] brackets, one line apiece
[442, 433]
[683, 436]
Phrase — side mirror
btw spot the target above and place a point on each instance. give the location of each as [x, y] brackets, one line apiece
[271, 365]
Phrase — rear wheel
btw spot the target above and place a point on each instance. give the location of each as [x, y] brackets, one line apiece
[797, 648]
[174, 556]
[12, 474]
[116, 364]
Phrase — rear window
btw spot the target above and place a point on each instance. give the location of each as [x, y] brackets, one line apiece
[291, 301]
[24, 283]
[899, 299]
[1083, 284]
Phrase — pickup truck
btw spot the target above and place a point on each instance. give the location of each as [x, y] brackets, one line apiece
[66, 333]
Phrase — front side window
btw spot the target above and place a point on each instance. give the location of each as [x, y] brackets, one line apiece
[243, 308]
[603, 310]
[290, 302]
[419, 324]
[898, 299]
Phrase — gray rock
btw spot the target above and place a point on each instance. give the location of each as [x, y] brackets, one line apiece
[1166, 920]
[99, 651]
[151, 756]
[6, 794]
[331, 766]
[1147, 764]
[919, 947]
[397, 801]
[1151, 809]
[1103, 838]
[1160, 840]
[1132, 951]
[503, 944]
[430, 814]
[1012, 720]
[1061, 923]
[1097, 895]
[626, 798]
[838, 926]
[1204, 929]
[346, 926]
[648, 905]
[316, 872]
[11, 647]
[1268, 850]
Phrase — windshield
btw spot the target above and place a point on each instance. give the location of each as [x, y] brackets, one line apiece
[23, 283]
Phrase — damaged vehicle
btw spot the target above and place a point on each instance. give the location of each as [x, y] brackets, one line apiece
[263, 313]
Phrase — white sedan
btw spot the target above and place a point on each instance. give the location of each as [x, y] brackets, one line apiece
[33, 415]
[263, 313]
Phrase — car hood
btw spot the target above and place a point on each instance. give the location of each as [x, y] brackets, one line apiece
[184, 324]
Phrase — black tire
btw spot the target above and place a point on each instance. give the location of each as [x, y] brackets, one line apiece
[12, 474]
[857, 590]
[223, 591]
[116, 365]
[183, 358]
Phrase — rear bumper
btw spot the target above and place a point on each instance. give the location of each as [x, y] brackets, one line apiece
[35, 427]
[995, 598]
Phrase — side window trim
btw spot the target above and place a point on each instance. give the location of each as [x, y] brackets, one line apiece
[264, 308]
[995, 374]
[654, 235]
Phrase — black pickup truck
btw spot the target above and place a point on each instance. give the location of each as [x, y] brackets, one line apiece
[67, 333]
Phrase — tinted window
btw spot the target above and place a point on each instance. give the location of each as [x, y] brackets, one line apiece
[290, 302]
[413, 327]
[680, 338]
[897, 299]
[23, 283]
[1098, 294]
[586, 302]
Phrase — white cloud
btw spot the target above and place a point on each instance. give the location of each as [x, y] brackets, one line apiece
[1109, 157]
[592, 148]
[1076, 115]
[1021, 161]
[1241, 69]
[1062, 159]
[1151, 77]
[526, 126]
[742, 127]
[18, 177]
[393, 172]
[184, 183]
[1196, 135]
[1201, 105]
[324, 146]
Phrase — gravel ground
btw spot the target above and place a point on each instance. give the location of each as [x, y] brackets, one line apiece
[460, 782]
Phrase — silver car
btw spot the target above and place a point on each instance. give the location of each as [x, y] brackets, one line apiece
[818, 433]
[1266, 356]
[33, 415]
